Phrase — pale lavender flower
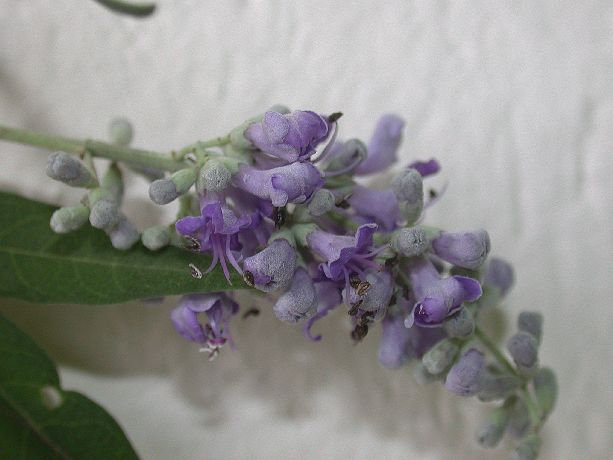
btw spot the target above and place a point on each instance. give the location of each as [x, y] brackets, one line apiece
[272, 268]
[465, 378]
[378, 206]
[299, 302]
[395, 343]
[290, 137]
[463, 249]
[328, 298]
[499, 274]
[383, 145]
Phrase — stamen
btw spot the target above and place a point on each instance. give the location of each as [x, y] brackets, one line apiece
[195, 271]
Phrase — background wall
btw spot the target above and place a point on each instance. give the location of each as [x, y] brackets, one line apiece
[514, 98]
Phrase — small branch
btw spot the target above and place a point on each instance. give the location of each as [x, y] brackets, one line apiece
[134, 157]
[216, 142]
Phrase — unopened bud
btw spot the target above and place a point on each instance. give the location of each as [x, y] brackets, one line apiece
[519, 417]
[464, 249]
[121, 132]
[527, 449]
[156, 237]
[461, 324]
[441, 356]
[321, 202]
[409, 242]
[524, 351]
[66, 168]
[492, 430]
[465, 378]
[421, 374]
[532, 323]
[67, 219]
[164, 191]
[408, 186]
[351, 153]
[124, 234]
[213, 177]
[546, 388]
[104, 211]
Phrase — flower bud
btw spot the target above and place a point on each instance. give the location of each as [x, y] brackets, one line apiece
[121, 132]
[66, 220]
[65, 168]
[349, 156]
[464, 249]
[497, 387]
[532, 323]
[378, 295]
[546, 388]
[441, 356]
[409, 242]
[523, 348]
[299, 302]
[124, 234]
[272, 268]
[408, 186]
[492, 430]
[421, 374]
[460, 324]
[499, 274]
[465, 378]
[395, 342]
[527, 449]
[213, 177]
[519, 417]
[164, 191]
[156, 237]
[321, 202]
[104, 212]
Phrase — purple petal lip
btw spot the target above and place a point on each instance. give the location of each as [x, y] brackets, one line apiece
[290, 137]
[426, 168]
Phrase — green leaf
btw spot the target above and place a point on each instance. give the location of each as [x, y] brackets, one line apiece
[39, 420]
[82, 267]
[132, 9]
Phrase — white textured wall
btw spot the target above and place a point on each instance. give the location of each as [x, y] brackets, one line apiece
[514, 98]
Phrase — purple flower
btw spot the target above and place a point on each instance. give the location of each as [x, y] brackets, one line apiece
[291, 137]
[215, 332]
[426, 168]
[395, 344]
[499, 274]
[300, 301]
[383, 145]
[328, 298]
[438, 297]
[378, 294]
[465, 378]
[463, 249]
[378, 206]
[344, 254]
[293, 183]
[272, 268]
[216, 230]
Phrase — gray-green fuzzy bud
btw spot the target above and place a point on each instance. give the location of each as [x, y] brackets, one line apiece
[496, 387]
[67, 169]
[492, 430]
[156, 237]
[532, 323]
[164, 191]
[67, 219]
[546, 389]
[322, 201]
[461, 324]
[409, 242]
[441, 356]
[104, 210]
[121, 131]
[523, 348]
[527, 449]
[408, 186]
[352, 152]
[124, 234]
[421, 374]
[214, 176]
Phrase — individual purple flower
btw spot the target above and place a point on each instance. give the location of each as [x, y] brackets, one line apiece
[378, 206]
[426, 168]
[438, 297]
[465, 378]
[395, 343]
[383, 145]
[293, 183]
[219, 308]
[377, 295]
[291, 137]
[499, 274]
[216, 230]
[328, 298]
[299, 302]
[463, 249]
[344, 254]
[272, 268]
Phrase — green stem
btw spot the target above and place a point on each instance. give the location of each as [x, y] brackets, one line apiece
[216, 142]
[134, 157]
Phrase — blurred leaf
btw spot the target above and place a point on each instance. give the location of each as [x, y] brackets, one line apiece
[39, 420]
[82, 267]
[132, 9]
